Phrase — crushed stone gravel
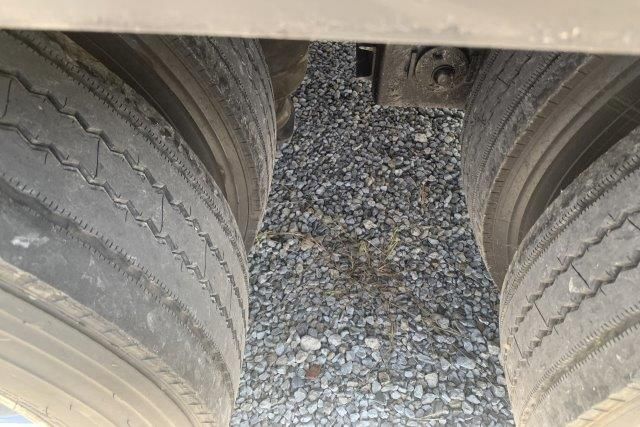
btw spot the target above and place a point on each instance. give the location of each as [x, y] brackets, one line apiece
[370, 304]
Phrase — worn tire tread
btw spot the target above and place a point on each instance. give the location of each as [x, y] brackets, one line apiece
[569, 294]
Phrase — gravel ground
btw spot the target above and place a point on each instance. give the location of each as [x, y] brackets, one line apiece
[370, 303]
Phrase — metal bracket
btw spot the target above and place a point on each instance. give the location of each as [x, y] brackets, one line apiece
[419, 76]
[365, 60]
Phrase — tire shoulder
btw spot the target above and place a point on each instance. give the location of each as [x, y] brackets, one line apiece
[581, 213]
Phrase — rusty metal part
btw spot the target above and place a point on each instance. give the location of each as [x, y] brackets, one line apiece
[576, 25]
[419, 76]
[441, 69]
[287, 61]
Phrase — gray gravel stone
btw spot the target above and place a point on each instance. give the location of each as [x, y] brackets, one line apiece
[466, 408]
[443, 322]
[418, 392]
[429, 398]
[335, 340]
[308, 343]
[432, 379]
[465, 362]
[347, 368]
[494, 350]
[372, 343]
[368, 224]
[299, 395]
[384, 377]
[369, 303]
[421, 137]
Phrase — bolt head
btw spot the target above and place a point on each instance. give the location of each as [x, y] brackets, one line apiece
[444, 76]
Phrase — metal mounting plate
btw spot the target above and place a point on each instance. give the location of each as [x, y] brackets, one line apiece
[406, 76]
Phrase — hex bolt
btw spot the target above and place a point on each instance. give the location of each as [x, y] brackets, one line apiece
[441, 70]
[444, 75]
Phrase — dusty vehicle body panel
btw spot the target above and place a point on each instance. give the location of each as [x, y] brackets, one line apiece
[579, 25]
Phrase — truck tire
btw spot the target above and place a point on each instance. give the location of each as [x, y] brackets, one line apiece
[217, 93]
[534, 122]
[570, 305]
[122, 271]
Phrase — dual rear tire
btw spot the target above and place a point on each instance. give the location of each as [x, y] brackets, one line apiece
[551, 175]
[123, 272]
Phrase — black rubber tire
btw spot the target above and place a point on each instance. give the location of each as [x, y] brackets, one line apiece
[113, 230]
[217, 93]
[570, 305]
[534, 121]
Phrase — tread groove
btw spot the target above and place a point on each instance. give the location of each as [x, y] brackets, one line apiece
[141, 126]
[585, 240]
[76, 230]
[104, 185]
[613, 330]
